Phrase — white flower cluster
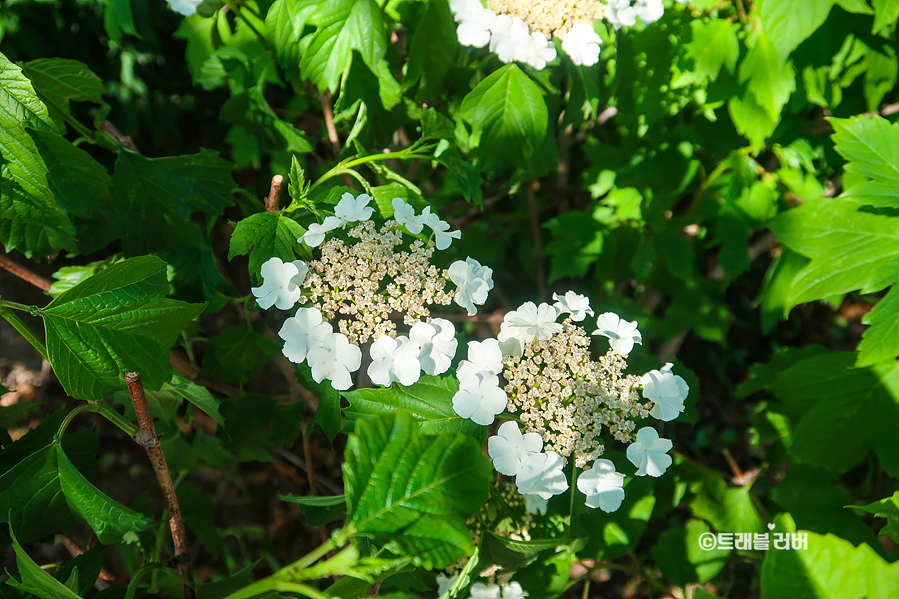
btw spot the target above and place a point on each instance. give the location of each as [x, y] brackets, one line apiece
[538, 471]
[626, 12]
[480, 590]
[185, 7]
[308, 336]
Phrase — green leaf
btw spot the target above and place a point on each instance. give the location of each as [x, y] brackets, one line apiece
[411, 493]
[319, 511]
[532, 546]
[109, 520]
[880, 342]
[752, 120]
[114, 322]
[616, 534]
[429, 401]
[238, 354]
[841, 412]
[714, 44]
[264, 236]
[35, 579]
[342, 26]
[117, 20]
[886, 508]
[577, 242]
[252, 112]
[681, 559]
[770, 78]
[871, 148]
[885, 14]
[284, 24]
[327, 414]
[432, 49]
[31, 499]
[726, 509]
[59, 80]
[788, 24]
[199, 396]
[509, 111]
[10, 416]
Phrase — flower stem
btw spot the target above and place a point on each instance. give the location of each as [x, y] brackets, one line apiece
[20, 326]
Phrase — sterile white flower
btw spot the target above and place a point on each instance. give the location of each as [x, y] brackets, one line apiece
[473, 282]
[479, 590]
[573, 303]
[581, 43]
[185, 7]
[541, 474]
[486, 355]
[479, 397]
[621, 13]
[280, 283]
[512, 339]
[649, 453]
[539, 51]
[335, 360]
[440, 228]
[509, 447]
[621, 333]
[534, 504]
[444, 584]
[667, 391]
[539, 321]
[351, 210]
[303, 332]
[438, 343]
[474, 25]
[394, 360]
[649, 11]
[513, 590]
[316, 233]
[509, 38]
[602, 486]
[405, 215]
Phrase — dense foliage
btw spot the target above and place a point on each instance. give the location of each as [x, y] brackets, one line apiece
[723, 175]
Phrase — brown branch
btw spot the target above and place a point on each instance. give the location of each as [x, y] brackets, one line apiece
[329, 122]
[76, 550]
[274, 194]
[149, 440]
[124, 140]
[538, 242]
[24, 274]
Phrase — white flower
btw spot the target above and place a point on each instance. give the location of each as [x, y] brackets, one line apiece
[575, 304]
[473, 282]
[541, 474]
[440, 228]
[474, 25]
[668, 392]
[438, 343]
[444, 584]
[185, 7]
[538, 321]
[602, 486]
[620, 12]
[514, 591]
[280, 283]
[512, 339]
[621, 333]
[351, 210]
[486, 355]
[316, 233]
[394, 360]
[303, 332]
[509, 38]
[509, 447]
[479, 590]
[581, 43]
[649, 11]
[539, 51]
[335, 360]
[534, 504]
[649, 453]
[405, 215]
[479, 397]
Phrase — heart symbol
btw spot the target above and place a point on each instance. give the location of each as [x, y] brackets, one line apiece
[770, 527]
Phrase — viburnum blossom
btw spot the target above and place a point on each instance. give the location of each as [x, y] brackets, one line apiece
[539, 51]
[483, 356]
[444, 584]
[649, 453]
[572, 303]
[303, 332]
[513, 590]
[185, 7]
[440, 228]
[479, 590]
[667, 391]
[539, 321]
[582, 43]
[534, 504]
[281, 283]
[621, 333]
[315, 235]
[405, 215]
[473, 283]
[602, 486]
[541, 474]
[438, 343]
[508, 448]
[624, 13]
[512, 339]
[479, 397]
[351, 210]
[335, 360]
[394, 360]
[474, 22]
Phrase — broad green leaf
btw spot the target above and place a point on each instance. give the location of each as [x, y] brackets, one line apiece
[432, 49]
[774, 296]
[35, 579]
[252, 112]
[264, 236]
[59, 80]
[342, 26]
[770, 78]
[117, 20]
[752, 120]
[616, 534]
[319, 511]
[10, 416]
[284, 23]
[239, 353]
[31, 499]
[681, 559]
[714, 44]
[726, 509]
[199, 396]
[114, 322]
[577, 242]
[509, 111]
[886, 508]
[411, 493]
[788, 24]
[841, 412]
[880, 342]
[429, 401]
[871, 148]
[109, 520]
[885, 14]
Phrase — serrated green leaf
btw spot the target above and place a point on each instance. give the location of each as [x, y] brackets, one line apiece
[429, 401]
[871, 148]
[509, 111]
[239, 353]
[714, 44]
[114, 322]
[319, 511]
[31, 499]
[252, 112]
[109, 520]
[35, 579]
[199, 396]
[681, 559]
[752, 120]
[432, 49]
[59, 80]
[880, 342]
[411, 493]
[885, 14]
[788, 24]
[770, 79]
[266, 235]
[284, 24]
[885, 508]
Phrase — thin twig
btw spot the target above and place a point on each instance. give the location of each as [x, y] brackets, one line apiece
[329, 122]
[538, 243]
[274, 194]
[149, 440]
[124, 140]
[24, 274]
[76, 550]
